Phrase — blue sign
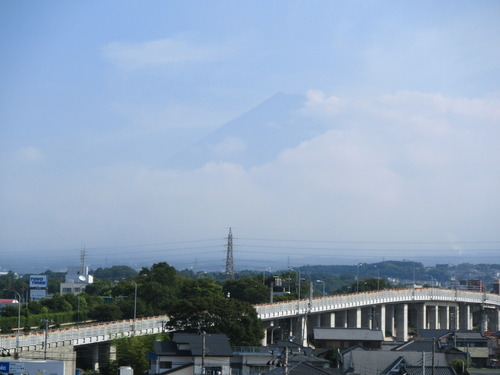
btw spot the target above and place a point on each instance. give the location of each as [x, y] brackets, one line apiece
[5, 367]
[38, 281]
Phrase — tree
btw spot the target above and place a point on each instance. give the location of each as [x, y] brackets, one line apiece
[249, 289]
[131, 351]
[58, 303]
[99, 288]
[106, 313]
[216, 314]
[200, 288]
[158, 287]
[114, 273]
[460, 365]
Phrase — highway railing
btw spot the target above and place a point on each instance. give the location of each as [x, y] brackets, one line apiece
[347, 301]
[85, 334]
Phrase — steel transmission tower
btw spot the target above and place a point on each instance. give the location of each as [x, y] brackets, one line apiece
[229, 257]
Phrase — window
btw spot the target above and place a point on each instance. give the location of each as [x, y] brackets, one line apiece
[166, 364]
[213, 370]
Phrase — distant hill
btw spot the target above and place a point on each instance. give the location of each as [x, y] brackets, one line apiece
[255, 138]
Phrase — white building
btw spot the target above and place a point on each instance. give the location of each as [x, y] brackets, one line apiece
[77, 278]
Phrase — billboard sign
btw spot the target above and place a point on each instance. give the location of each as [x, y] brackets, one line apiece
[36, 294]
[4, 367]
[11, 367]
[38, 281]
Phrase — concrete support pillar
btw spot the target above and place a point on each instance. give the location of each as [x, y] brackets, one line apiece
[381, 319]
[421, 316]
[484, 320]
[444, 317]
[303, 331]
[454, 317]
[402, 322]
[263, 342]
[465, 317]
[495, 320]
[95, 357]
[292, 327]
[390, 320]
[330, 320]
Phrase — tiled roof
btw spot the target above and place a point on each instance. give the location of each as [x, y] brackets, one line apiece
[437, 370]
[417, 346]
[305, 369]
[376, 361]
[432, 333]
[190, 344]
[348, 334]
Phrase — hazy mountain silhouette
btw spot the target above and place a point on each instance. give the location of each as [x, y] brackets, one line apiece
[255, 138]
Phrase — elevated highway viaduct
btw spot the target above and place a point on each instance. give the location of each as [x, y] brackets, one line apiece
[86, 346]
[397, 313]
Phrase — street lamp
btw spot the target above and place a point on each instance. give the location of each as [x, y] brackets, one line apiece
[18, 320]
[321, 281]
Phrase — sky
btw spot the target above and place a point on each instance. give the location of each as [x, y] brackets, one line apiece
[97, 96]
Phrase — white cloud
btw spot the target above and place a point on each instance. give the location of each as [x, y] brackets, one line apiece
[402, 167]
[29, 155]
[319, 104]
[160, 52]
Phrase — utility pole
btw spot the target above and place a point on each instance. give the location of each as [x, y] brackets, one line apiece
[203, 345]
[229, 257]
[45, 341]
[433, 355]
[286, 360]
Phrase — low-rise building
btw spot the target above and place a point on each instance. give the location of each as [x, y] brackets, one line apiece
[189, 353]
[343, 338]
[76, 280]
[474, 343]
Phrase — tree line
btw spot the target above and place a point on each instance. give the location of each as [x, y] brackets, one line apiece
[195, 299]
[191, 303]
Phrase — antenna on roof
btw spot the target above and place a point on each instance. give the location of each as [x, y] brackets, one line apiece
[82, 261]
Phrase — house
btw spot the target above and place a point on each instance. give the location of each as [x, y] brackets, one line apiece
[248, 360]
[474, 343]
[304, 369]
[417, 370]
[494, 343]
[4, 302]
[272, 359]
[430, 346]
[189, 353]
[387, 362]
[344, 338]
[295, 359]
